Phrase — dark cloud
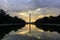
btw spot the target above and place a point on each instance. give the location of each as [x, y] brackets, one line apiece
[47, 3]
[21, 5]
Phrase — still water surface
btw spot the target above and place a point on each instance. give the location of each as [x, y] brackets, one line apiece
[36, 34]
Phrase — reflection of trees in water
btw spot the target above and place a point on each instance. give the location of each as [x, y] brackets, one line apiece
[6, 19]
[40, 23]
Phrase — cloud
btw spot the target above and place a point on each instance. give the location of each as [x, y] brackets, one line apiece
[35, 36]
[4, 4]
[38, 13]
[38, 8]
[21, 5]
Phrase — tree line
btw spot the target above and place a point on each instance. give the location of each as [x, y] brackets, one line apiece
[7, 19]
[49, 20]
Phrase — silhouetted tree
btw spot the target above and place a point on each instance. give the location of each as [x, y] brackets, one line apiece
[6, 19]
[40, 23]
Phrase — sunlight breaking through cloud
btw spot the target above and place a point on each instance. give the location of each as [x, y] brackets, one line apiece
[38, 13]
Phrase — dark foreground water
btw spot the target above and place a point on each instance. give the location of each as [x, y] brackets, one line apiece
[36, 34]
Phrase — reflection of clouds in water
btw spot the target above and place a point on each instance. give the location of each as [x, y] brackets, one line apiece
[19, 37]
[23, 34]
[35, 35]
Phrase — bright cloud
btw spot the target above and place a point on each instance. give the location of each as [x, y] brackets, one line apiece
[38, 13]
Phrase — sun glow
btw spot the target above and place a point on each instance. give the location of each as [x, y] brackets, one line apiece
[23, 14]
[35, 14]
[25, 30]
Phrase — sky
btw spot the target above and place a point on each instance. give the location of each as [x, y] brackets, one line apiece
[20, 5]
[38, 8]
